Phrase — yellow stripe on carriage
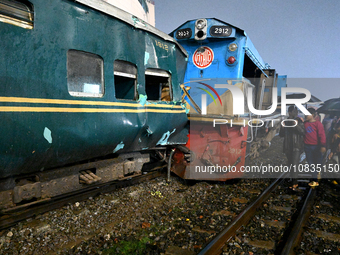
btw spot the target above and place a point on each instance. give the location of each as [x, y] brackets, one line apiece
[81, 102]
[87, 110]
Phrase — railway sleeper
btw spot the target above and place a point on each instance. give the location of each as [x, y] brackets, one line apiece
[16, 192]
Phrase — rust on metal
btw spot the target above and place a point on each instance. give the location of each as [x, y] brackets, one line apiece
[212, 146]
[26, 192]
[9, 217]
[88, 177]
[216, 245]
[296, 232]
[59, 181]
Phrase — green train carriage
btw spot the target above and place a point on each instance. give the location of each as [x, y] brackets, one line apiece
[80, 80]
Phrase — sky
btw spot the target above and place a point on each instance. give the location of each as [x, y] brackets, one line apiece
[298, 38]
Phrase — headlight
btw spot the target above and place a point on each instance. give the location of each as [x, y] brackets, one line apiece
[232, 46]
[201, 29]
[200, 24]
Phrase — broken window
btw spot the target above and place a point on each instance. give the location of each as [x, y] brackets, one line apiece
[18, 13]
[85, 74]
[125, 75]
[158, 85]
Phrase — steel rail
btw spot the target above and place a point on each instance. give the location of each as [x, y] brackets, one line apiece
[12, 216]
[216, 245]
[294, 237]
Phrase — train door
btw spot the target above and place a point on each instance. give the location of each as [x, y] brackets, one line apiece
[264, 97]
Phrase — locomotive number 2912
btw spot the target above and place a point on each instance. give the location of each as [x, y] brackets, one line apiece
[221, 31]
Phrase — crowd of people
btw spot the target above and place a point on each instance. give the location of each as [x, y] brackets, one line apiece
[314, 138]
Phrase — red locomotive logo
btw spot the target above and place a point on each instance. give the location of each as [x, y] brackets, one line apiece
[203, 57]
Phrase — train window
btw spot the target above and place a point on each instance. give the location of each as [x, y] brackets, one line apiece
[125, 75]
[18, 13]
[85, 74]
[250, 70]
[158, 85]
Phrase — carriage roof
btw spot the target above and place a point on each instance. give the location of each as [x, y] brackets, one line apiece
[128, 18]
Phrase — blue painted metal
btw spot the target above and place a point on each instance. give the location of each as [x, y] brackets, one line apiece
[281, 83]
[219, 145]
[220, 48]
[219, 68]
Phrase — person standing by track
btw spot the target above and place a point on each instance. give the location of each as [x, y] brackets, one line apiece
[293, 135]
[315, 144]
[335, 144]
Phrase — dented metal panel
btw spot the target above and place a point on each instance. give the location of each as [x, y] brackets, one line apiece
[217, 153]
[49, 127]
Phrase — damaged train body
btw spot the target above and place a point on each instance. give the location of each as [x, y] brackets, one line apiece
[90, 93]
[81, 80]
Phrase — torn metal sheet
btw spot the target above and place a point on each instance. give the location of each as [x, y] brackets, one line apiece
[118, 147]
[165, 137]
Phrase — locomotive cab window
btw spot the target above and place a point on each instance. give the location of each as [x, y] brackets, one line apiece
[85, 74]
[125, 76]
[158, 85]
[18, 13]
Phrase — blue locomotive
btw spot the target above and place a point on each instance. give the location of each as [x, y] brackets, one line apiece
[221, 54]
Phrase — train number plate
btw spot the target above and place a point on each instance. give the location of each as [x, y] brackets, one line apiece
[221, 31]
[184, 33]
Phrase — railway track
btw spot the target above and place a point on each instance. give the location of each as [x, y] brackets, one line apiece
[180, 216]
[258, 217]
[296, 231]
[63, 224]
[321, 234]
[12, 216]
[217, 244]
[204, 230]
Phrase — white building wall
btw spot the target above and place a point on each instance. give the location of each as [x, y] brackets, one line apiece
[135, 8]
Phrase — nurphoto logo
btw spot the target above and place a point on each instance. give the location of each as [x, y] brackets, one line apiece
[238, 100]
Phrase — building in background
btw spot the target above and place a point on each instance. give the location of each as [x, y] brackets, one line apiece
[143, 9]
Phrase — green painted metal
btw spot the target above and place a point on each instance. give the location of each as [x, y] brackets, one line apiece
[34, 66]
